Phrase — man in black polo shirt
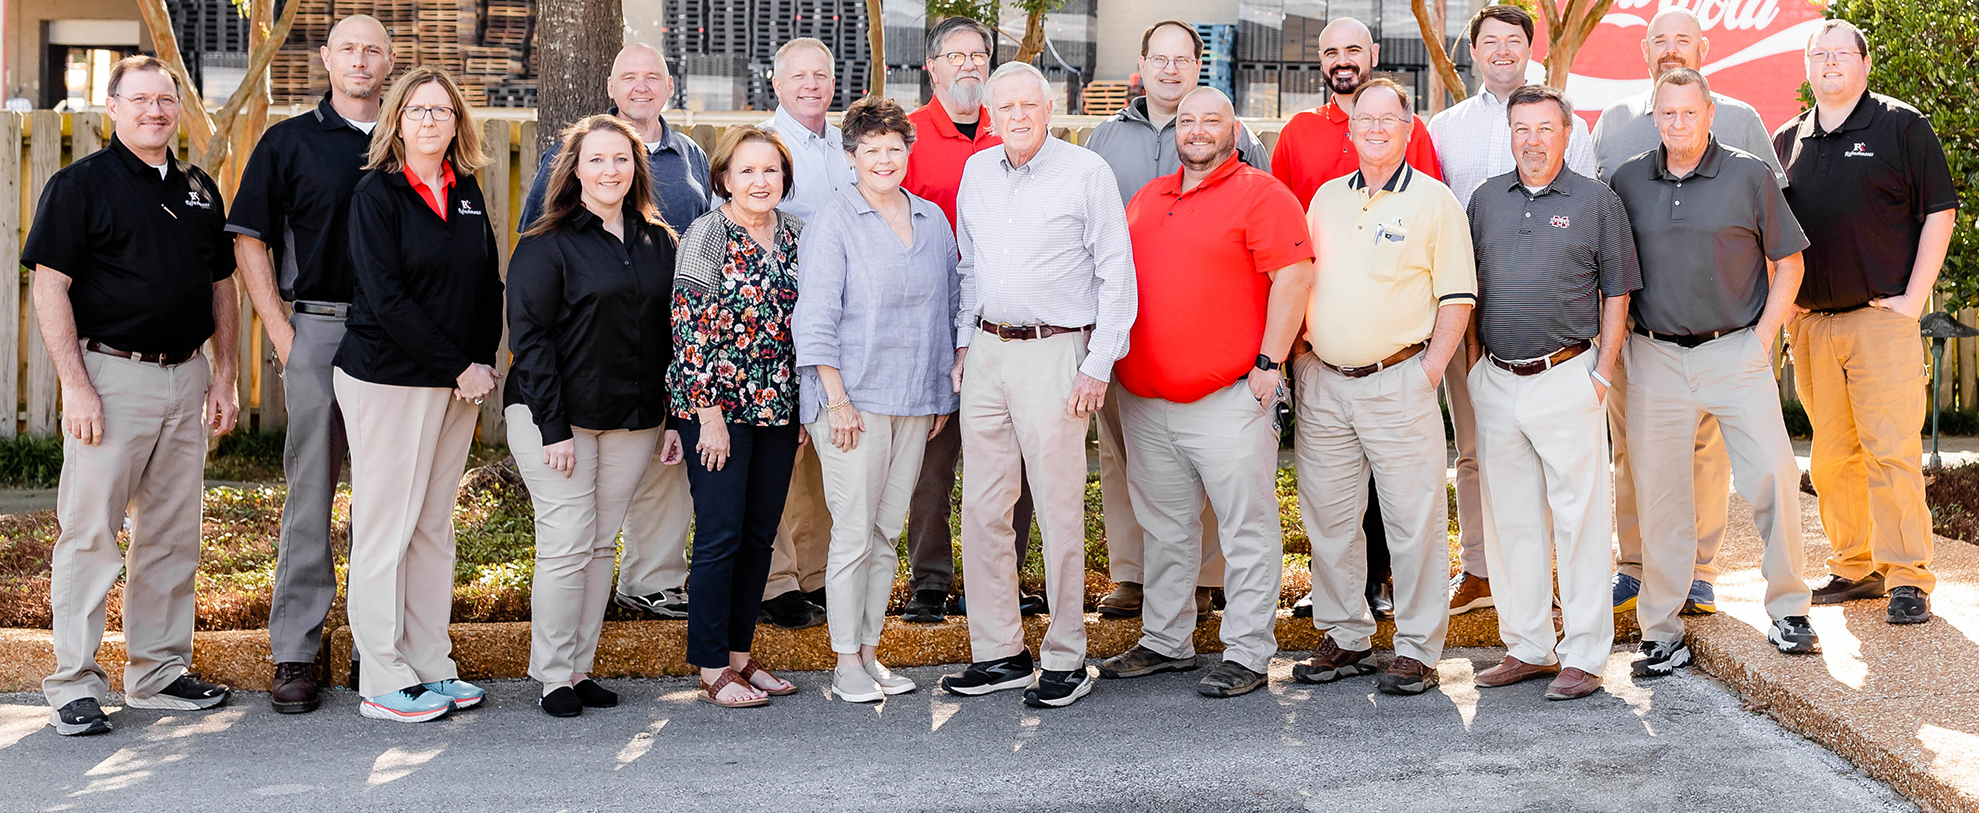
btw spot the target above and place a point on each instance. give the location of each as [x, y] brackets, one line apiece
[132, 273]
[292, 201]
[1556, 263]
[1720, 255]
[1871, 186]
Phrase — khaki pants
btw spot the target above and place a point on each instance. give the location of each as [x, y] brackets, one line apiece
[1470, 499]
[1542, 444]
[1013, 410]
[1225, 446]
[654, 552]
[803, 536]
[149, 464]
[868, 489]
[408, 451]
[1863, 378]
[577, 523]
[1126, 535]
[1389, 421]
[1711, 471]
[1731, 378]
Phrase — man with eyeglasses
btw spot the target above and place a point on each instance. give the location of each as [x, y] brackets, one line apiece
[1139, 144]
[133, 271]
[1871, 186]
[1388, 311]
[289, 213]
[1720, 255]
[1674, 40]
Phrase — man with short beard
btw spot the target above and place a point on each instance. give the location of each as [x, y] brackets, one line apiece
[1313, 147]
[289, 213]
[1218, 243]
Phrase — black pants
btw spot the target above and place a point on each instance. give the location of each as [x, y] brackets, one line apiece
[1378, 568]
[736, 511]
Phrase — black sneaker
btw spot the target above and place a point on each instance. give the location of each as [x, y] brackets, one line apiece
[663, 604]
[1794, 636]
[1908, 605]
[1660, 658]
[926, 607]
[80, 718]
[1303, 607]
[1058, 689]
[1230, 679]
[1030, 604]
[594, 696]
[984, 677]
[561, 702]
[1839, 590]
[792, 611]
[187, 693]
[816, 597]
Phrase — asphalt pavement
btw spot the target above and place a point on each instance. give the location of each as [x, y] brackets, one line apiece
[1681, 743]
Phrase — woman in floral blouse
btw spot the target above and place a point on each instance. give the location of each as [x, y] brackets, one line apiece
[733, 378]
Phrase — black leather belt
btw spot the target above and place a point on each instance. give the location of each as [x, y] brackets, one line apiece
[1839, 311]
[1544, 363]
[160, 359]
[1687, 340]
[339, 310]
[1010, 333]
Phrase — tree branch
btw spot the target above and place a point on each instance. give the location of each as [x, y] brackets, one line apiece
[1439, 57]
[165, 40]
[250, 86]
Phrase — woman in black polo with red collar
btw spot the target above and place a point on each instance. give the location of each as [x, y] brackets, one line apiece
[418, 355]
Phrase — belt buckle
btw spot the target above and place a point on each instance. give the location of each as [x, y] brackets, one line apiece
[1001, 335]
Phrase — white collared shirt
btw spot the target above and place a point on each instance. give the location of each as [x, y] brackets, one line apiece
[1474, 143]
[818, 161]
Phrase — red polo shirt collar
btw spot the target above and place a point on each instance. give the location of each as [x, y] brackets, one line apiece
[436, 201]
[1171, 185]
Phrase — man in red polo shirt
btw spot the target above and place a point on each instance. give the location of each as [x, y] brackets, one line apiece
[1223, 260]
[1312, 147]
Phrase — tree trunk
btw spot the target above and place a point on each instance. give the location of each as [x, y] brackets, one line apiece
[876, 41]
[1566, 32]
[578, 39]
[1431, 23]
[1033, 43]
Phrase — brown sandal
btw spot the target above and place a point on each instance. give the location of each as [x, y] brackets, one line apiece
[751, 668]
[711, 693]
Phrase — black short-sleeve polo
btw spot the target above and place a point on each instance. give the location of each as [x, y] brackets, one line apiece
[1545, 260]
[1862, 193]
[142, 251]
[295, 196]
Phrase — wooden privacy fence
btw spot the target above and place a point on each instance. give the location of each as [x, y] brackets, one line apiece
[34, 145]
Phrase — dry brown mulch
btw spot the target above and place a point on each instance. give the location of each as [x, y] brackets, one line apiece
[1953, 494]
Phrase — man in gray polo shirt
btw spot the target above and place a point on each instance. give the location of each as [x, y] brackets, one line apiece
[1720, 256]
[1627, 129]
[1556, 263]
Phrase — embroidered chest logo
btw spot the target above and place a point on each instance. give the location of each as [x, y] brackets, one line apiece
[1560, 221]
[1861, 151]
[197, 200]
[467, 207]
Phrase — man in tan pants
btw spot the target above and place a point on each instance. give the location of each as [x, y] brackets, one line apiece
[1047, 300]
[124, 299]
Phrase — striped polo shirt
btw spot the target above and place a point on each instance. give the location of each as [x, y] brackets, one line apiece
[1545, 260]
[1388, 258]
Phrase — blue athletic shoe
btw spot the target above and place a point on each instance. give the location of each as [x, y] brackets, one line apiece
[1625, 587]
[413, 704]
[1702, 599]
[463, 693]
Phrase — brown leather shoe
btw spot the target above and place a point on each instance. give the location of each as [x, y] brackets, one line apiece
[1330, 663]
[1123, 602]
[1204, 603]
[294, 689]
[1405, 676]
[1468, 592]
[1573, 684]
[1512, 670]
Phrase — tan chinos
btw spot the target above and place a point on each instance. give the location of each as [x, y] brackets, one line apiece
[408, 451]
[1711, 470]
[1389, 421]
[1542, 446]
[577, 523]
[868, 489]
[654, 553]
[1731, 378]
[803, 535]
[1226, 446]
[150, 465]
[1014, 396]
[1126, 533]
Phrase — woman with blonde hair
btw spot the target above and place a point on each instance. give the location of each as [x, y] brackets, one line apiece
[417, 357]
[589, 293]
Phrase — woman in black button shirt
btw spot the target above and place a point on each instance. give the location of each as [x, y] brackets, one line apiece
[418, 355]
[589, 290]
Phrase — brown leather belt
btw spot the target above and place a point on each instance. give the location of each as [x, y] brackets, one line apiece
[1540, 365]
[1010, 333]
[160, 359]
[1364, 371]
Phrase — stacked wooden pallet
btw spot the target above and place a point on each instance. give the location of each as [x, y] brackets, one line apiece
[1105, 97]
[296, 74]
[483, 44]
[506, 23]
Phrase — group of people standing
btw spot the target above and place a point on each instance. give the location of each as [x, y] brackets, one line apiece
[793, 344]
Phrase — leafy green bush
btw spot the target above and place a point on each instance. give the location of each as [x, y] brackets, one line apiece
[30, 462]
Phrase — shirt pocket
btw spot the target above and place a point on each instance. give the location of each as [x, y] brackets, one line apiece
[1391, 251]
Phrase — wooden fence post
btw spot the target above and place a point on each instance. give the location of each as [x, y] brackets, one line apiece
[495, 186]
[44, 158]
[10, 292]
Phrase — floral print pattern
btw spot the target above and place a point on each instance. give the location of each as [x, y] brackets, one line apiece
[732, 346]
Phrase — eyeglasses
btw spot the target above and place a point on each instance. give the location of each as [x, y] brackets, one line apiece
[1383, 123]
[1161, 63]
[419, 113]
[1822, 57]
[165, 103]
[956, 58]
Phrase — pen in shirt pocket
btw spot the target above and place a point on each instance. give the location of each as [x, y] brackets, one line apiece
[168, 210]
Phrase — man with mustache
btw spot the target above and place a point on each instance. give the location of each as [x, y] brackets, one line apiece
[291, 240]
[1674, 40]
[1218, 243]
[652, 567]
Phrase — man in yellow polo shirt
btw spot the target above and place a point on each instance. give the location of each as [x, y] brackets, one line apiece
[1396, 284]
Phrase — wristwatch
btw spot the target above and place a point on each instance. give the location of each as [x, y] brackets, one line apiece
[1264, 362]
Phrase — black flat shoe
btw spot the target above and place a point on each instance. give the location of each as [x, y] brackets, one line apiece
[562, 702]
[594, 696]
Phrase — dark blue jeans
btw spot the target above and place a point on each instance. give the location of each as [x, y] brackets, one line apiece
[736, 511]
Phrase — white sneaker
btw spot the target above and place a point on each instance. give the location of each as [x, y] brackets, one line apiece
[855, 686]
[889, 682]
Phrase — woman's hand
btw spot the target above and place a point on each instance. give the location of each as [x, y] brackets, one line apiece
[714, 444]
[474, 383]
[846, 426]
[671, 453]
[561, 456]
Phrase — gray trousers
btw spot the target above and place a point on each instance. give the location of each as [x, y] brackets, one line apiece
[312, 456]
